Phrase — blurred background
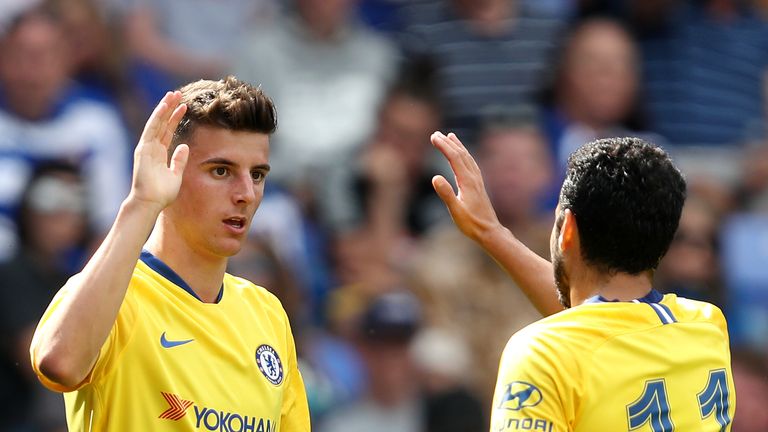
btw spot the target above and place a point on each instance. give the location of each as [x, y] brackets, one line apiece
[399, 320]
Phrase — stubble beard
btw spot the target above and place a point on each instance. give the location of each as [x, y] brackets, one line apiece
[561, 281]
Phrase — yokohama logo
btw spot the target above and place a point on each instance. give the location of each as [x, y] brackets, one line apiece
[178, 407]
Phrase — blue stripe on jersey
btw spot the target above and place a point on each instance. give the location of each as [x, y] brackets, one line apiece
[652, 299]
[663, 316]
[163, 270]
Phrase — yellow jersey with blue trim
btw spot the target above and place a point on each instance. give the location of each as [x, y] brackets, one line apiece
[174, 363]
[656, 364]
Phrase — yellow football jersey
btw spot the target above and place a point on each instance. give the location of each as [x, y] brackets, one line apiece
[174, 363]
[657, 364]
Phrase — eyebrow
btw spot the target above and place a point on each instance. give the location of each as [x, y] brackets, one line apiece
[227, 162]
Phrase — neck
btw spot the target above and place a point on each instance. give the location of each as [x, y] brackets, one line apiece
[619, 286]
[574, 113]
[204, 273]
[488, 18]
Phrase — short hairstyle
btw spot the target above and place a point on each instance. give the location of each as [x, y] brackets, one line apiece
[226, 104]
[627, 197]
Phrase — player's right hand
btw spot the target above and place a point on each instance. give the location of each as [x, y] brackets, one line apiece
[470, 208]
[154, 181]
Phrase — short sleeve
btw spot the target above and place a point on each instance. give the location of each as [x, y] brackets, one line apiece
[294, 415]
[118, 336]
[530, 390]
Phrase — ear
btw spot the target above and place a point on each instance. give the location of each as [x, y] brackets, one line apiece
[569, 232]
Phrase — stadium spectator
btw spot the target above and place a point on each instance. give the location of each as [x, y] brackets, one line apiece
[595, 93]
[691, 267]
[487, 53]
[392, 401]
[53, 232]
[449, 405]
[175, 41]
[463, 290]
[378, 203]
[389, 178]
[328, 74]
[43, 117]
[703, 69]
[98, 57]
[750, 375]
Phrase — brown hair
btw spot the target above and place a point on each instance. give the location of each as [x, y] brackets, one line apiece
[227, 104]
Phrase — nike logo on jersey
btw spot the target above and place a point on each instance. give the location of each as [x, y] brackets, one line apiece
[172, 343]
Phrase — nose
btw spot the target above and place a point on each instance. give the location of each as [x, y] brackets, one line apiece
[244, 190]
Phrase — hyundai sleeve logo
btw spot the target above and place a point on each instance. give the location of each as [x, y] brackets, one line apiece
[518, 395]
[172, 343]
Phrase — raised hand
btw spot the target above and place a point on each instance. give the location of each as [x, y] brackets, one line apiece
[154, 181]
[470, 208]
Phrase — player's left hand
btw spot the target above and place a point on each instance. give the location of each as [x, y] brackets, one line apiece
[470, 208]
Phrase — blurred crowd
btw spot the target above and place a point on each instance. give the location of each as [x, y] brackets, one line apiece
[399, 319]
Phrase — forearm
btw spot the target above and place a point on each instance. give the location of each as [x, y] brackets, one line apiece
[66, 347]
[532, 273]
[147, 43]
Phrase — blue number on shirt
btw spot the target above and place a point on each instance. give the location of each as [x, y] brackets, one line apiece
[714, 398]
[652, 406]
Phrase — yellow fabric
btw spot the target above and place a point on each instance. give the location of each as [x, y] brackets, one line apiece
[586, 368]
[212, 382]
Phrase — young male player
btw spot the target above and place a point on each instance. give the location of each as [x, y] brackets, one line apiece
[162, 338]
[622, 356]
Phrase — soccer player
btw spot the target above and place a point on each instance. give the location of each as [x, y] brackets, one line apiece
[622, 356]
[153, 335]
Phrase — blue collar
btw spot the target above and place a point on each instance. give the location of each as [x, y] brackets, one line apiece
[163, 270]
[652, 297]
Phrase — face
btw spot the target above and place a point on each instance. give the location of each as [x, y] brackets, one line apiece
[562, 282]
[55, 216]
[517, 170]
[600, 73]
[34, 66]
[222, 187]
[692, 256]
[405, 125]
[326, 14]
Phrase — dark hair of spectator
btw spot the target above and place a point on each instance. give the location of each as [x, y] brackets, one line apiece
[627, 197]
[226, 104]
[416, 80]
[45, 169]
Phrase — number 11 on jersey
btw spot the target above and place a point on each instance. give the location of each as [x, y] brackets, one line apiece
[652, 406]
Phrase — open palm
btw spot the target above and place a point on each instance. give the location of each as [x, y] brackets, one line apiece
[154, 181]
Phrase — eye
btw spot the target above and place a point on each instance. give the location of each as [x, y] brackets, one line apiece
[257, 176]
[220, 171]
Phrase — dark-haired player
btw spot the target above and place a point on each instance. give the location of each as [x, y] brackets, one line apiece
[162, 339]
[622, 356]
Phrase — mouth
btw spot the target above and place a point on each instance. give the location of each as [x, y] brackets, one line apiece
[235, 222]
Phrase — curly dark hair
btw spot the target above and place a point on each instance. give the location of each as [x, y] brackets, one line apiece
[626, 196]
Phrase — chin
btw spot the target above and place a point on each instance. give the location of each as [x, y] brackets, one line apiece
[227, 248]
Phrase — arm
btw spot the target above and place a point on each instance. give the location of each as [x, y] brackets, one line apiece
[66, 345]
[473, 214]
[146, 42]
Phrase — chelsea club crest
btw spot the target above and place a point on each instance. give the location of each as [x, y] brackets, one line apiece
[269, 364]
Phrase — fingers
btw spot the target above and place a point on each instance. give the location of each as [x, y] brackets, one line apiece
[179, 159]
[462, 163]
[444, 191]
[158, 122]
[173, 123]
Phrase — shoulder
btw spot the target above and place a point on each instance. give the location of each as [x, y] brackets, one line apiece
[254, 295]
[688, 310]
[574, 332]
